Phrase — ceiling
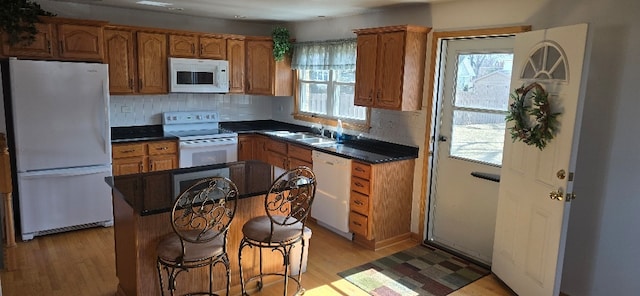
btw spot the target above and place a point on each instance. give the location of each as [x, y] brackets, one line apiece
[259, 10]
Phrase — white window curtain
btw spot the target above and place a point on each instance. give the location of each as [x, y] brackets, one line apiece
[325, 55]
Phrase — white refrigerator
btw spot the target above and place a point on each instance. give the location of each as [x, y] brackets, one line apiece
[62, 144]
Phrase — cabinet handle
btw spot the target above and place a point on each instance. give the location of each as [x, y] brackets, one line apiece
[140, 83]
[141, 167]
[193, 48]
[359, 169]
[61, 47]
[128, 151]
[150, 165]
[201, 48]
[359, 184]
[358, 203]
[356, 223]
[130, 83]
[49, 45]
[378, 95]
[162, 148]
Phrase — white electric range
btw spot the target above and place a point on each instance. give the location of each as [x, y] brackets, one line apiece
[202, 141]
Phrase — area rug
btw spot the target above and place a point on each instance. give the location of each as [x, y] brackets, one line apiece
[421, 270]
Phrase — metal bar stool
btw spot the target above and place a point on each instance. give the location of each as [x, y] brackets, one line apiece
[200, 218]
[287, 206]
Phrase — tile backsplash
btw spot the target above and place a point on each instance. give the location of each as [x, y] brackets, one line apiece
[147, 110]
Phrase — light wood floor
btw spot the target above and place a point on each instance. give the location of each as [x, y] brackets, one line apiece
[83, 263]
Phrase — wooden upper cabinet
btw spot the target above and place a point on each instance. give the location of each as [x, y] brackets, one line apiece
[213, 47]
[61, 39]
[397, 57]
[152, 63]
[197, 46]
[236, 58]
[183, 46]
[366, 70]
[264, 75]
[119, 54]
[41, 46]
[80, 42]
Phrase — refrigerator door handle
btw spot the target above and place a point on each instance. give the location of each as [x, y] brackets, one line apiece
[65, 172]
[105, 132]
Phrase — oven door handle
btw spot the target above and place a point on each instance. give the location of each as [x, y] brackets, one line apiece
[208, 144]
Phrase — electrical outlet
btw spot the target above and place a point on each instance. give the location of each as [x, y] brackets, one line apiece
[126, 109]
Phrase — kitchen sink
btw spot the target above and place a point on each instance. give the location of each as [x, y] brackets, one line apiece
[303, 137]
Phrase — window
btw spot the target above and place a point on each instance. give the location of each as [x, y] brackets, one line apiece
[481, 99]
[326, 82]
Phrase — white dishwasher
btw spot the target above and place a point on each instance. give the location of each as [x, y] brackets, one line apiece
[331, 204]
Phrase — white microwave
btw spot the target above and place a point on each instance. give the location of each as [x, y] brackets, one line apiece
[198, 75]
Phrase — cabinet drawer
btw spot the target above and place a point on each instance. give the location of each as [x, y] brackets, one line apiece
[358, 223]
[277, 146]
[359, 203]
[128, 150]
[361, 170]
[166, 147]
[360, 185]
[294, 163]
[300, 153]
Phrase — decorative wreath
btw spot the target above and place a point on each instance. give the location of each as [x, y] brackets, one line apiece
[545, 124]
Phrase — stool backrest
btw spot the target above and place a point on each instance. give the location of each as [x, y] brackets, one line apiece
[205, 210]
[291, 196]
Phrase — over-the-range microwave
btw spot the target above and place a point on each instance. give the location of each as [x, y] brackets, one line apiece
[198, 75]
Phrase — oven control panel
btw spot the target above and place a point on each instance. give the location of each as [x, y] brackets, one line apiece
[189, 117]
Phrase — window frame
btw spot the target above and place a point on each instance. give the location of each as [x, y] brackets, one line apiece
[347, 123]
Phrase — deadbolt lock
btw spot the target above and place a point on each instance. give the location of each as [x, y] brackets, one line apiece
[561, 174]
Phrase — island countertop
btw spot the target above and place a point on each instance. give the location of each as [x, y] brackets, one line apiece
[154, 192]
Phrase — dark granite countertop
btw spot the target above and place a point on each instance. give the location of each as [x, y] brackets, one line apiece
[123, 134]
[154, 192]
[362, 149]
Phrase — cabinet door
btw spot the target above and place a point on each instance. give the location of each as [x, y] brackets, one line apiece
[163, 162]
[260, 65]
[245, 148]
[277, 159]
[183, 46]
[119, 55]
[366, 70]
[41, 46]
[213, 48]
[235, 55]
[260, 148]
[129, 165]
[390, 70]
[157, 191]
[152, 63]
[80, 42]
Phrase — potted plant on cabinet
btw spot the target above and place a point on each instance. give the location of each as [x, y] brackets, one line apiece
[281, 43]
[18, 19]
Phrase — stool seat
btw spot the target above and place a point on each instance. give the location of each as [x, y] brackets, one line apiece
[170, 248]
[258, 229]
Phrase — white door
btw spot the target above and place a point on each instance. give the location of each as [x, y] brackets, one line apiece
[531, 227]
[476, 74]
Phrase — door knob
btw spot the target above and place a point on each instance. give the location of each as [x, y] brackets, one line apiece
[557, 194]
[442, 138]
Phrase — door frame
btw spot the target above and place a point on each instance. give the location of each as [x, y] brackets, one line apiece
[434, 48]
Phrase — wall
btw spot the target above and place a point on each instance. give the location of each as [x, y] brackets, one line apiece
[147, 110]
[151, 19]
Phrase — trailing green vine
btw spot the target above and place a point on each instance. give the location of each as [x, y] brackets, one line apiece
[545, 123]
[18, 19]
[281, 43]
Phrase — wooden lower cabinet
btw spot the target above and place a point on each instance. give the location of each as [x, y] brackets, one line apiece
[275, 152]
[380, 203]
[141, 157]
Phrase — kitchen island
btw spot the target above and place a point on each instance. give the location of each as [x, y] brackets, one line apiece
[142, 208]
